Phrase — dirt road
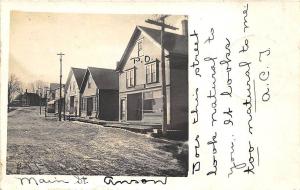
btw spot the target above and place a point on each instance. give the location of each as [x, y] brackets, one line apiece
[39, 145]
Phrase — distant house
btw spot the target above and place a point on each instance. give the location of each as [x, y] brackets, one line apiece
[72, 89]
[140, 79]
[59, 101]
[99, 94]
[28, 99]
[51, 97]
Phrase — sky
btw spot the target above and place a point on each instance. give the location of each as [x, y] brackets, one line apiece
[96, 40]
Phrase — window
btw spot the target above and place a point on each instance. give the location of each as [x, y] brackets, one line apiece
[130, 78]
[89, 82]
[84, 103]
[151, 73]
[153, 102]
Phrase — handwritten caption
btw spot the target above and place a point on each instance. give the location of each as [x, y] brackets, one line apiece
[225, 69]
[82, 180]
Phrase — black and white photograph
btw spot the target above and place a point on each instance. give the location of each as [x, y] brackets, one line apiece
[143, 95]
[97, 94]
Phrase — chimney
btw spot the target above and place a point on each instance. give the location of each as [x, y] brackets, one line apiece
[184, 25]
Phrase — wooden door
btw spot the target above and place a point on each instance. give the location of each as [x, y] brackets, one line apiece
[123, 109]
[134, 107]
[71, 104]
[89, 106]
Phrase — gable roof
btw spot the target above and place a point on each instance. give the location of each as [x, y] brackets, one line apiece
[105, 79]
[54, 86]
[174, 43]
[62, 87]
[78, 75]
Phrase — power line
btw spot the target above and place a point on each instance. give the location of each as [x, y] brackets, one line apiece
[161, 22]
[60, 86]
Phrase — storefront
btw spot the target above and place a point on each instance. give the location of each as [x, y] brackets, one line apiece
[142, 106]
[89, 105]
[152, 106]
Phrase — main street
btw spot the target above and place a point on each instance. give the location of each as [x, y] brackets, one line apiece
[39, 145]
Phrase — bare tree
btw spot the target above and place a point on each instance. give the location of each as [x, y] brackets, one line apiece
[14, 87]
[37, 86]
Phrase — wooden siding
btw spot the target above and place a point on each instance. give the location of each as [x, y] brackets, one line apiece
[151, 50]
[179, 93]
[89, 91]
[108, 108]
[71, 91]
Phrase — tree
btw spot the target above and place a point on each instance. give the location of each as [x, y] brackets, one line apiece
[14, 87]
[37, 86]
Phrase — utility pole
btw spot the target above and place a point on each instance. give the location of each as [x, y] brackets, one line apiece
[64, 103]
[40, 103]
[60, 77]
[40, 97]
[46, 100]
[161, 22]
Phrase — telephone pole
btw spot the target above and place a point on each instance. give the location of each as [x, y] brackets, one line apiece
[60, 77]
[46, 100]
[161, 22]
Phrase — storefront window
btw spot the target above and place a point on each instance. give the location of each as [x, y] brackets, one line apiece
[153, 102]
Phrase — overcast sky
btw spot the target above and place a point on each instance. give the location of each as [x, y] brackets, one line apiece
[86, 39]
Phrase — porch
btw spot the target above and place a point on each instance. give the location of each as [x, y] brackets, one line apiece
[135, 126]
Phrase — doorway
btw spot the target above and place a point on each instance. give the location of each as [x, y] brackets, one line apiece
[89, 109]
[134, 107]
[71, 104]
[123, 109]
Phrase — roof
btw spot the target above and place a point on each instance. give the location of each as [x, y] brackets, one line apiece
[173, 43]
[54, 86]
[78, 75]
[57, 88]
[105, 79]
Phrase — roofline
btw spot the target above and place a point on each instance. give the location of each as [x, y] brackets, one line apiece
[76, 68]
[59, 87]
[127, 47]
[87, 70]
[69, 78]
[118, 68]
[101, 68]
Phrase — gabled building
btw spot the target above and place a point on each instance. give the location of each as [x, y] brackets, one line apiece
[140, 79]
[51, 92]
[59, 101]
[28, 99]
[72, 89]
[100, 94]
[51, 99]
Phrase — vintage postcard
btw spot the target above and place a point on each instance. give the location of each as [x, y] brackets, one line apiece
[150, 95]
